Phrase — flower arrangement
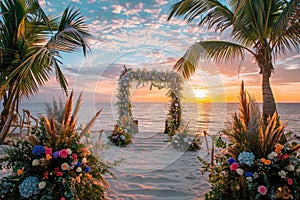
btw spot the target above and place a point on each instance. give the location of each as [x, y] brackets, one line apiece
[256, 161]
[184, 141]
[160, 79]
[275, 177]
[53, 163]
[119, 137]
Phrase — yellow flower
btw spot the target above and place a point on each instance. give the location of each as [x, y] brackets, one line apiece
[267, 162]
[48, 157]
[20, 171]
[84, 160]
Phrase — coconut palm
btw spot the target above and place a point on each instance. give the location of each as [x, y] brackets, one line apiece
[265, 29]
[31, 43]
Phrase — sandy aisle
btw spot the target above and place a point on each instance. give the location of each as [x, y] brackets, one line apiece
[151, 170]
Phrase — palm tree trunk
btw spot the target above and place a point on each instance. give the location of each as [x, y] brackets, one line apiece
[269, 106]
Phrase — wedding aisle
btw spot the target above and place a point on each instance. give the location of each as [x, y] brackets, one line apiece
[152, 170]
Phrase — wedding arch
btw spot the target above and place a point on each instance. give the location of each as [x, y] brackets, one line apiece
[160, 79]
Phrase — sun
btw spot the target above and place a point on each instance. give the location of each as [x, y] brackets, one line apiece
[200, 93]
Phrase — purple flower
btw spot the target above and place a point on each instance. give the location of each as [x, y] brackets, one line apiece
[56, 154]
[38, 150]
[248, 174]
[87, 169]
[230, 161]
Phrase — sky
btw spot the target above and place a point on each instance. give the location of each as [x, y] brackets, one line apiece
[138, 35]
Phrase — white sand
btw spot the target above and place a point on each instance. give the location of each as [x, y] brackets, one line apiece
[152, 170]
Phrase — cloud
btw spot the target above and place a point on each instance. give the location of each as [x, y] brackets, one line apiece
[117, 9]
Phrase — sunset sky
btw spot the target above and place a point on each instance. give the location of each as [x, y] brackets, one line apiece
[138, 35]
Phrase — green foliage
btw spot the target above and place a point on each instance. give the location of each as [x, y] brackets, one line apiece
[119, 137]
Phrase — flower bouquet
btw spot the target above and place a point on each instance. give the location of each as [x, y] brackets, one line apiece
[53, 163]
[184, 141]
[119, 137]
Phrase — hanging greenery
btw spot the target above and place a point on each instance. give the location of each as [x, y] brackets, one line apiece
[160, 79]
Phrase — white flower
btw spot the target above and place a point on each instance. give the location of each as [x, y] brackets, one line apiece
[69, 151]
[290, 168]
[176, 141]
[36, 162]
[240, 171]
[272, 155]
[255, 175]
[282, 174]
[185, 140]
[249, 178]
[298, 170]
[42, 184]
[78, 169]
[84, 160]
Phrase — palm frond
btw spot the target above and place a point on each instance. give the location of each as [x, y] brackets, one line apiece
[72, 33]
[210, 12]
[219, 51]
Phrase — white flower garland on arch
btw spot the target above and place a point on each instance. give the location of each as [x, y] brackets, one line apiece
[160, 79]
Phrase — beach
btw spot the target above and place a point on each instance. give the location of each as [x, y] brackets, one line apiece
[149, 168]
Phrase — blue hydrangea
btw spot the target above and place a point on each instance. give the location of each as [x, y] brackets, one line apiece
[38, 150]
[87, 169]
[248, 174]
[122, 137]
[29, 187]
[231, 160]
[246, 158]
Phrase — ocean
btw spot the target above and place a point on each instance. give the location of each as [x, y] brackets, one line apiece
[211, 117]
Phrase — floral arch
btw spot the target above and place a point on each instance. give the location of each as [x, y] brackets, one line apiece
[160, 79]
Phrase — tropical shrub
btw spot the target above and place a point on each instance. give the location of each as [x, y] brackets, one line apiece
[53, 162]
[256, 161]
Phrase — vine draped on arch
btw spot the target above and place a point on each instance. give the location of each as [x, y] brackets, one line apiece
[160, 79]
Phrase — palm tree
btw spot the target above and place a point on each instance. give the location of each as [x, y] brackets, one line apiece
[264, 28]
[31, 43]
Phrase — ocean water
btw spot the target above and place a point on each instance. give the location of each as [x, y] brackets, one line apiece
[211, 117]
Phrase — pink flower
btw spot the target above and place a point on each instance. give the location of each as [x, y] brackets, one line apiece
[63, 153]
[234, 166]
[48, 151]
[74, 156]
[63, 198]
[285, 156]
[290, 181]
[262, 190]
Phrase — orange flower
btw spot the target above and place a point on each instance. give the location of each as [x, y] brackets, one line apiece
[278, 147]
[267, 162]
[48, 157]
[262, 160]
[77, 179]
[89, 176]
[20, 171]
